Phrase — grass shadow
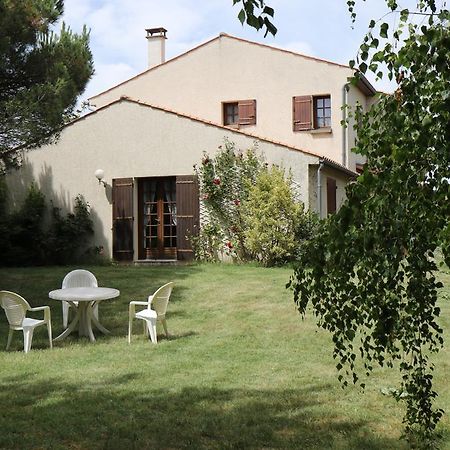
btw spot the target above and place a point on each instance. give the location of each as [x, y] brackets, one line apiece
[105, 416]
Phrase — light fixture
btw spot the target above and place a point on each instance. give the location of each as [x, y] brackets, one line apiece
[100, 174]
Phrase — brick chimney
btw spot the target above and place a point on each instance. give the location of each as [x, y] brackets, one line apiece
[156, 38]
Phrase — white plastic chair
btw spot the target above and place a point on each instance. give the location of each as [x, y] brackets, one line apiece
[77, 278]
[16, 308]
[159, 300]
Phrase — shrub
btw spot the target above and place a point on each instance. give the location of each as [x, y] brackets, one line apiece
[27, 238]
[25, 232]
[249, 210]
[225, 181]
[68, 236]
[272, 218]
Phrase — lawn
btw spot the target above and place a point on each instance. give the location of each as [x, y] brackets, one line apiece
[241, 370]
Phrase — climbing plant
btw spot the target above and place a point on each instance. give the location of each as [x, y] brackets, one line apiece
[370, 274]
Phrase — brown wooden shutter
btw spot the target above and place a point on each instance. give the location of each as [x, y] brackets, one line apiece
[247, 112]
[122, 189]
[302, 113]
[331, 195]
[188, 214]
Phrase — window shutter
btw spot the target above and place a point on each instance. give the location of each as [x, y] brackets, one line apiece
[247, 112]
[188, 215]
[122, 190]
[302, 113]
[331, 195]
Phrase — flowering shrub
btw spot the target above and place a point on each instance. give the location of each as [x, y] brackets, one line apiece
[225, 181]
[250, 212]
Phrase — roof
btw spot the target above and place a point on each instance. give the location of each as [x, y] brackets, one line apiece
[363, 84]
[330, 162]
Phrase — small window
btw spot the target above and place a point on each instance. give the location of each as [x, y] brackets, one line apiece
[311, 112]
[322, 112]
[242, 112]
[230, 114]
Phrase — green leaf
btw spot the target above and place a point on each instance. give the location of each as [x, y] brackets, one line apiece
[269, 11]
[241, 16]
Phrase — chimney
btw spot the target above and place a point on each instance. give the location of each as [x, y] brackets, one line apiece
[156, 38]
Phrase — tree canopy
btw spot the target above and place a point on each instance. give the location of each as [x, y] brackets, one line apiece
[369, 275]
[41, 75]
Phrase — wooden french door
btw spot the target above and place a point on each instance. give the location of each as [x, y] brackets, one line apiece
[157, 218]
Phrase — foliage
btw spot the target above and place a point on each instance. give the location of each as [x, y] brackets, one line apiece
[68, 234]
[250, 210]
[258, 19]
[24, 230]
[370, 273]
[225, 181]
[208, 244]
[271, 218]
[41, 75]
[28, 237]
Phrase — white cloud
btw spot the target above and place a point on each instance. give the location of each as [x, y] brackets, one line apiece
[107, 75]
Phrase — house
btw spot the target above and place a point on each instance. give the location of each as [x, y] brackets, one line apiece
[146, 134]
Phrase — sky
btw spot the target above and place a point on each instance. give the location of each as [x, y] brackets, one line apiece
[320, 28]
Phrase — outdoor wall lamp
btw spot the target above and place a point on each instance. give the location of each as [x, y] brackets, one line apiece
[100, 174]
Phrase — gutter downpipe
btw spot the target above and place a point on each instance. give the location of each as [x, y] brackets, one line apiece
[319, 188]
[345, 90]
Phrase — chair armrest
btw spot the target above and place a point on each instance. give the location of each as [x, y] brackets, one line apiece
[132, 307]
[46, 310]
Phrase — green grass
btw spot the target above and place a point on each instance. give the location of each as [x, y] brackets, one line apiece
[241, 370]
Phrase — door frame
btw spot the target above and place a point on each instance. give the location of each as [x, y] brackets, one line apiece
[162, 252]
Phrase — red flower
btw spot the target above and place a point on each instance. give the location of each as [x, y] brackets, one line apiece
[229, 244]
[237, 202]
[216, 181]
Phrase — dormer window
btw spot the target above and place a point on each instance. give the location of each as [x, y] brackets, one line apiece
[239, 113]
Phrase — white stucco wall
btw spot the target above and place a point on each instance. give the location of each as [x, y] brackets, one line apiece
[229, 69]
[131, 140]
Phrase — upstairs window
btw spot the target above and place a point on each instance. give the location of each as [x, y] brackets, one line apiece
[322, 112]
[240, 113]
[311, 112]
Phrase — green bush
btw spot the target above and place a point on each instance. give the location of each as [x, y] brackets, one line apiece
[271, 218]
[250, 211]
[68, 236]
[225, 181]
[29, 237]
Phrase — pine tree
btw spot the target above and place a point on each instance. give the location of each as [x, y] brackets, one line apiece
[41, 75]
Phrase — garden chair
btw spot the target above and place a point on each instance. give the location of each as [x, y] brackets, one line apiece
[77, 278]
[158, 301]
[16, 308]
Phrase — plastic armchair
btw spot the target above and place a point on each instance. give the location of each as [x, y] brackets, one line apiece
[77, 278]
[159, 301]
[16, 308]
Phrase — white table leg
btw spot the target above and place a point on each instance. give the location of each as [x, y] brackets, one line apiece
[85, 328]
[70, 328]
[97, 323]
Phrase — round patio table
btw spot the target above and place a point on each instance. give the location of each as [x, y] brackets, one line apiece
[87, 298]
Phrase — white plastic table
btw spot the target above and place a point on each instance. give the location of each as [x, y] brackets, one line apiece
[87, 298]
